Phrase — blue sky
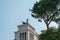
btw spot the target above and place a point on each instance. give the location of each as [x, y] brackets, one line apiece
[12, 13]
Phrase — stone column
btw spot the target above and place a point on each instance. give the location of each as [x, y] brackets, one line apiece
[27, 36]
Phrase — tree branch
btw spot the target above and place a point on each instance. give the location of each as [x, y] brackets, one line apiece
[51, 18]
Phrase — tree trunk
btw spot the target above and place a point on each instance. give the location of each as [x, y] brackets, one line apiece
[47, 26]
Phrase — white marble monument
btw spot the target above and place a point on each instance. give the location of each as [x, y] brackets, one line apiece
[26, 32]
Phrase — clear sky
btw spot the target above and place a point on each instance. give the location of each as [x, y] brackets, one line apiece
[12, 13]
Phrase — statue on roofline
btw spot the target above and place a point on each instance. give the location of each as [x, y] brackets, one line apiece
[25, 22]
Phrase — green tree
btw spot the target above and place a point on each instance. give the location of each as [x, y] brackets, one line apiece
[51, 34]
[46, 10]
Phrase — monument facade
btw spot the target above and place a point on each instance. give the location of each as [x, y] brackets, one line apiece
[26, 32]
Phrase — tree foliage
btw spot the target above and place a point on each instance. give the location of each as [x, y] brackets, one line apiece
[46, 10]
[51, 34]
